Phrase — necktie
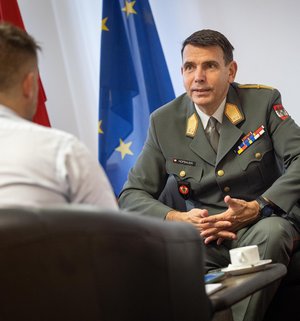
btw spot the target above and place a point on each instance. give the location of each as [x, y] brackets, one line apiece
[212, 133]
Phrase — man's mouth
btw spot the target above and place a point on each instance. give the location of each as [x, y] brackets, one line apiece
[201, 90]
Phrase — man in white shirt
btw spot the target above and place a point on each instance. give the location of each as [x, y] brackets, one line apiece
[39, 166]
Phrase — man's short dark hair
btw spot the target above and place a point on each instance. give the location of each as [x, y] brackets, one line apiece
[207, 37]
[17, 49]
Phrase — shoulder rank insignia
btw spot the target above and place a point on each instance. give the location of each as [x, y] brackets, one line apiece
[192, 125]
[255, 86]
[233, 113]
[281, 112]
[249, 139]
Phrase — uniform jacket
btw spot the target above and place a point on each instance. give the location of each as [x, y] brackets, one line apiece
[269, 166]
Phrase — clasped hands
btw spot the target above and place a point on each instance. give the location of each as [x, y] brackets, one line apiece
[220, 226]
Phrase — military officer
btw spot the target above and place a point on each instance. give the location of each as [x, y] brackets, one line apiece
[238, 173]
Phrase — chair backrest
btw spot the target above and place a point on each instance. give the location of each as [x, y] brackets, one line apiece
[81, 263]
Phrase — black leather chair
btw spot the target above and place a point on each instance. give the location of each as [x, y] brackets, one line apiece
[79, 263]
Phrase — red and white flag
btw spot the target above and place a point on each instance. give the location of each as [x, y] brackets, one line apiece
[10, 12]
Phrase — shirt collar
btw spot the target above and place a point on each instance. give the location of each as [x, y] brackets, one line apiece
[7, 112]
[218, 114]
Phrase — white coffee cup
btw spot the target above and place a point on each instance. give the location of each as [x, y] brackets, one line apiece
[246, 255]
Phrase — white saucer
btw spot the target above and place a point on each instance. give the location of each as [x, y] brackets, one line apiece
[236, 270]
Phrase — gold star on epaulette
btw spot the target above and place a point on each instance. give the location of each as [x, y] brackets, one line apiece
[103, 24]
[129, 8]
[124, 149]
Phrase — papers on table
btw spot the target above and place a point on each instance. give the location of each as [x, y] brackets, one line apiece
[213, 287]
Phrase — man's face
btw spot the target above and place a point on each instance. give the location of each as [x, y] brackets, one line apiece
[206, 77]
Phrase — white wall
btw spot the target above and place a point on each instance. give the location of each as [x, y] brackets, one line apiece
[264, 34]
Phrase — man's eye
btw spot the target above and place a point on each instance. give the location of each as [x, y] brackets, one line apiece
[211, 65]
[188, 68]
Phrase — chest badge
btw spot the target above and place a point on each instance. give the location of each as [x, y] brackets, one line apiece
[184, 189]
[249, 139]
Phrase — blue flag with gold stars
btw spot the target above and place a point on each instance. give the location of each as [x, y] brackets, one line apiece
[134, 81]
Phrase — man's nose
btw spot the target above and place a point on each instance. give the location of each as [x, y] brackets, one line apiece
[199, 75]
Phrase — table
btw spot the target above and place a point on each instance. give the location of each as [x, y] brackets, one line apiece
[241, 286]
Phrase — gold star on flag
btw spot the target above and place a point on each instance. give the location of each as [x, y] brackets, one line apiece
[100, 131]
[129, 8]
[104, 26]
[124, 149]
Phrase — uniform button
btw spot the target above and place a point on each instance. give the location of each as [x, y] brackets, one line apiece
[226, 189]
[220, 172]
[182, 174]
[258, 155]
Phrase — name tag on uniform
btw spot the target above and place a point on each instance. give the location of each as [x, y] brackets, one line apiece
[183, 162]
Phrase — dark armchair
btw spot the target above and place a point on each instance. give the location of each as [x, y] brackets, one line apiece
[79, 263]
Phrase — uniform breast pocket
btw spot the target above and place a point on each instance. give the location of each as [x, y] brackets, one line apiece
[190, 172]
[259, 164]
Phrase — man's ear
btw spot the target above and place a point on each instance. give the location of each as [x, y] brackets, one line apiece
[232, 71]
[28, 85]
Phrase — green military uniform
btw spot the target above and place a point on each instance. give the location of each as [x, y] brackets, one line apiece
[177, 146]
[258, 154]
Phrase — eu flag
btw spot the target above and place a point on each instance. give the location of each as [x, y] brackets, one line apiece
[134, 81]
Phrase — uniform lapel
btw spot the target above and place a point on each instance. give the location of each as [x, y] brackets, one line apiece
[201, 146]
[199, 143]
[230, 133]
[229, 136]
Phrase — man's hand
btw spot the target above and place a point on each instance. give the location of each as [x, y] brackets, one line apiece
[195, 217]
[220, 226]
[240, 213]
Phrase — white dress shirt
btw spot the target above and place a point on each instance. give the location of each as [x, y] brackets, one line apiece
[218, 114]
[42, 166]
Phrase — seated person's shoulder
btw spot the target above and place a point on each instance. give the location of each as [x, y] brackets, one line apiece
[260, 91]
[57, 139]
[255, 86]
